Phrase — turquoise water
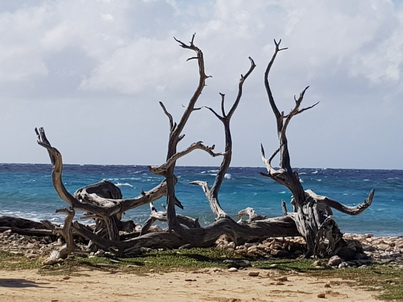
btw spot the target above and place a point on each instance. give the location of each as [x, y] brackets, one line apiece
[26, 191]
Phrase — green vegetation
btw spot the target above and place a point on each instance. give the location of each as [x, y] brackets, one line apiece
[388, 279]
[12, 261]
[385, 278]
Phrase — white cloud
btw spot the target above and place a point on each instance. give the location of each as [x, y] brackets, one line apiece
[92, 55]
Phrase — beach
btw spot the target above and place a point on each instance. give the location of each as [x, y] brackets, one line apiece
[213, 284]
[108, 282]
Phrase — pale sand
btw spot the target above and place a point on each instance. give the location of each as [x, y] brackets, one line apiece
[205, 285]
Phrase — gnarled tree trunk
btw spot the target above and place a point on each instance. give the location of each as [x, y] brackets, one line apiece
[312, 213]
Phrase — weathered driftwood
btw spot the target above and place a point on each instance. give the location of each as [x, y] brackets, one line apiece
[198, 236]
[25, 226]
[99, 200]
[66, 231]
[312, 213]
[310, 218]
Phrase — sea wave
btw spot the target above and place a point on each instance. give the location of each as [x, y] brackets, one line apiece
[125, 184]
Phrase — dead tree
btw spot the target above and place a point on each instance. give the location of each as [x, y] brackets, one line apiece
[103, 203]
[311, 218]
[175, 136]
[312, 213]
[238, 232]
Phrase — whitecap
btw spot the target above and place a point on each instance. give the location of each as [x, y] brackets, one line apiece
[124, 184]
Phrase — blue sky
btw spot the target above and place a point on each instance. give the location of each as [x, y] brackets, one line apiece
[92, 73]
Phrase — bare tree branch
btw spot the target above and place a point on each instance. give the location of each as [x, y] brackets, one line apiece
[162, 169]
[171, 120]
[356, 210]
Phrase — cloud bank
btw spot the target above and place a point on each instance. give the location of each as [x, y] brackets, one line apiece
[92, 73]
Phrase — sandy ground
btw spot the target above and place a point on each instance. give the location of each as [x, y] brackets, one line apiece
[205, 285]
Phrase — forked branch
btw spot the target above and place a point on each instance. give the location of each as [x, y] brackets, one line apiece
[225, 118]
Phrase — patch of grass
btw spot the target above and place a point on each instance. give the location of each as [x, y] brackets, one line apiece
[184, 259]
[383, 278]
[12, 261]
[387, 278]
[296, 265]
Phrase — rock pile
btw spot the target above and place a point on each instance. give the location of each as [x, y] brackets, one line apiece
[365, 248]
[30, 246]
[369, 248]
[380, 249]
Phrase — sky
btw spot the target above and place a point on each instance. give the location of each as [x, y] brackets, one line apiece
[92, 73]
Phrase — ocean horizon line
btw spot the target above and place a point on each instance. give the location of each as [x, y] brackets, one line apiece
[200, 166]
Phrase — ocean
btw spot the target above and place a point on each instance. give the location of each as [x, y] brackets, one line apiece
[26, 191]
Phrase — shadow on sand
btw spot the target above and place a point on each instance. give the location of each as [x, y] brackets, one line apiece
[20, 283]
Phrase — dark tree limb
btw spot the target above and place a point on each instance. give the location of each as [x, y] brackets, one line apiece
[176, 135]
[162, 169]
[225, 118]
[66, 232]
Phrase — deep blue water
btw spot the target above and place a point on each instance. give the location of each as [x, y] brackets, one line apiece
[26, 191]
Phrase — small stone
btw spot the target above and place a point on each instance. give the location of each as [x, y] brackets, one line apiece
[322, 295]
[253, 274]
[31, 256]
[231, 245]
[237, 263]
[232, 269]
[334, 261]
[279, 283]
[327, 285]
[53, 258]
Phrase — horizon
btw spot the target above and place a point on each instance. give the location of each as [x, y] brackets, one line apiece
[196, 166]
